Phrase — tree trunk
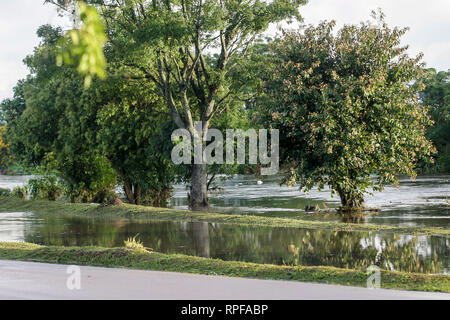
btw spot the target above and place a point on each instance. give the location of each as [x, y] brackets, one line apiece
[128, 188]
[198, 197]
[350, 200]
[199, 193]
[137, 195]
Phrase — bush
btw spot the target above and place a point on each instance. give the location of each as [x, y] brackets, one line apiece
[47, 187]
[20, 192]
[104, 196]
[155, 198]
[85, 176]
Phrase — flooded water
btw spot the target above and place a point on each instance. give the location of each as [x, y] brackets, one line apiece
[10, 182]
[283, 246]
[424, 202]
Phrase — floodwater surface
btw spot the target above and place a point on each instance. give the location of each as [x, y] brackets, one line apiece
[424, 202]
[282, 246]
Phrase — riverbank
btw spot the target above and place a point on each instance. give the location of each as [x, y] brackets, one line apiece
[11, 204]
[122, 257]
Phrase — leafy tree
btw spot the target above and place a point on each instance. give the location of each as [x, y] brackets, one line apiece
[133, 133]
[5, 154]
[436, 95]
[47, 123]
[11, 110]
[91, 135]
[84, 46]
[345, 108]
[188, 49]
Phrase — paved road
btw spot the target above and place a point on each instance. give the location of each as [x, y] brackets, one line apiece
[29, 280]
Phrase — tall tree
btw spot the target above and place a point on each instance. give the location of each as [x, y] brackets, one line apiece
[133, 128]
[346, 108]
[187, 49]
[85, 133]
[48, 122]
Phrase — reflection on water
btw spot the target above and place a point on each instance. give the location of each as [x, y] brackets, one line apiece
[287, 246]
[14, 224]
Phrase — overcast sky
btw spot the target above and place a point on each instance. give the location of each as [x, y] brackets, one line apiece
[429, 24]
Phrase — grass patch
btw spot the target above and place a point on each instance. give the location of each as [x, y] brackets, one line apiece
[142, 260]
[134, 245]
[11, 204]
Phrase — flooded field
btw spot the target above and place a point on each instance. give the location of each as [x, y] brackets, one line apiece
[424, 202]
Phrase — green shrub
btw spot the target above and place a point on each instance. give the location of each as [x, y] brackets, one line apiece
[104, 196]
[83, 195]
[20, 192]
[47, 187]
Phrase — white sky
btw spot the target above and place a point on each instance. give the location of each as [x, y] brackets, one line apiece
[429, 23]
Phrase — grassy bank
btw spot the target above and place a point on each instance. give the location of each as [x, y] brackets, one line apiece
[11, 204]
[120, 257]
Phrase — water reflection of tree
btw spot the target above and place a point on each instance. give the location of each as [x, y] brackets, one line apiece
[356, 250]
[400, 255]
[201, 238]
[62, 231]
[340, 249]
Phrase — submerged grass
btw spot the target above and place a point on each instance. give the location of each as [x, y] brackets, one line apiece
[11, 204]
[136, 259]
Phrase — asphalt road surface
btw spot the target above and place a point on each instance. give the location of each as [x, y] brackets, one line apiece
[30, 280]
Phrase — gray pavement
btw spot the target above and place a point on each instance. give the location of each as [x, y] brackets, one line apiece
[30, 280]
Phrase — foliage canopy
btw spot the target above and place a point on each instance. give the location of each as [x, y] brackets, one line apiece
[346, 108]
